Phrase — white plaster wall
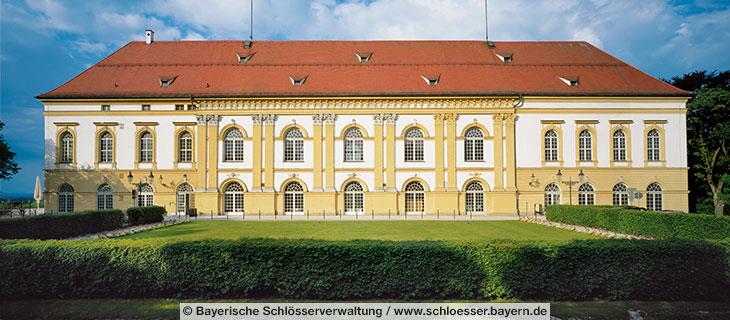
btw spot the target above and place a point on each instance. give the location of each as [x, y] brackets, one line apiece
[462, 177]
[244, 177]
[281, 176]
[367, 177]
[402, 175]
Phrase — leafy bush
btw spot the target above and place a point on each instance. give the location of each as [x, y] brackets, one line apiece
[297, 269]
[648, 223]
[60, 225]
[142, 215]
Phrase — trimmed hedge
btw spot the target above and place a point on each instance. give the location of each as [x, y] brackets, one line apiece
[143, 215]
[61, 225]
[346, 270]
[648, 223]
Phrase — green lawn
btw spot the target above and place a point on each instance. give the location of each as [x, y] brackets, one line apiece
[169, 309]
[350, 230]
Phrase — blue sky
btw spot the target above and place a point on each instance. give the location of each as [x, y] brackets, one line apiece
[45, 43]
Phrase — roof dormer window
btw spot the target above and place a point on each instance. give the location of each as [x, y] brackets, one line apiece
[243, 57]
[363, 57]
[431, 80]
[166, 81]
[571, 81]
[298, 81]
[505, 57]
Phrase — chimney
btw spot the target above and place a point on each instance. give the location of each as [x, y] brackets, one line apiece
[149, 36]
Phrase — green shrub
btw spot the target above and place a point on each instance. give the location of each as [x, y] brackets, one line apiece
[356, 270]
[648, 223]
[143, 215]
[61, 225]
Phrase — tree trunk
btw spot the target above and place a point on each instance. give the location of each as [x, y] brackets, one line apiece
[719, 204]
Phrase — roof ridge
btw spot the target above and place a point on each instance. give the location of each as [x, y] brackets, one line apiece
[592, 64]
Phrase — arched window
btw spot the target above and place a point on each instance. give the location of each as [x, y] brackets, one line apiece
[353, 145]
[474, 145]
[415, 198]
[233, 145]
[551, 146]
[183, 198]
[185, 147]
[353, 198]
[414, 145]
[552, 194]
[652, 145]
[654, 197]
[294, 198]
[293, 145]
[474, 197]
[620, 195]
[585, 146]
[586, 195]
[65, 198]
[146, 196]
[104, 197]
[67, 148]
[106, 147]
[233, 198]
[145, 147]
[619, 145]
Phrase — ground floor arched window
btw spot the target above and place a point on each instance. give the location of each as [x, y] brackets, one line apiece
[183, 199]
[415, 198]
[233, 198]
[146, 196]
[354, 198]
[654, 197]
[586, 195]
[552, 194]
[474, 197]
[65, 198]
[620, 195]
[294, 198]
[104, 197]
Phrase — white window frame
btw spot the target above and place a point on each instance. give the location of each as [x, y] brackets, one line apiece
[183, 198]
[654, 198]
[653, 144]
[293, 198]
[67, 147]
[620, 194]
[293, 145]
[474, 197]
[185, 147]
[145, 196]
[585, 145]
[619, 145]
[586, 195]
[474, 144]
[233, 198]
[413, 144]
[552, 194]
[104, 197]
[551, 145]
[146, 147]
[66, 198]
[354, 198]
[415, 198]
[233, 145]
[353, 145]
[106, 147]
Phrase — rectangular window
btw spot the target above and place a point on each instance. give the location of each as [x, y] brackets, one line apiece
[105, 107]
[145, 107]
[179, 107]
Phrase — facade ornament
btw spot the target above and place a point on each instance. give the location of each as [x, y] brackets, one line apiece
[269, 119]
[210, 119]
[329, 118]
[390, 118]
[256, 118]
[353, 175]
[378, 118]
[317, 118]
[476, 174]
[293, 175]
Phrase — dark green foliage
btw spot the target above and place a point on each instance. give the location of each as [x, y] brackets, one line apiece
[347, 270]
[143, 215]
[8, 166]
[648, 223]
[61, 225]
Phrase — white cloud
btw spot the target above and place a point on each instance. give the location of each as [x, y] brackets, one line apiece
[647, 33]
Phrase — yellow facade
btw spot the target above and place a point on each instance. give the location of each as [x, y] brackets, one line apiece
[513, 189]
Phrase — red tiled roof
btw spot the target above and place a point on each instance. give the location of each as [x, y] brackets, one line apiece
[212, 69]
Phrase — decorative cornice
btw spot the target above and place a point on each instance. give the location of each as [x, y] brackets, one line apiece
[146, 124]
[106, 124]
[211, 119]
[620, 121]
[586, 121]
[655, 121]
[66, 124]
[356, 103]
[184, 123]
[552, 121]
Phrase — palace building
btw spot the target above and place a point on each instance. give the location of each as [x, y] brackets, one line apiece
[363, 127]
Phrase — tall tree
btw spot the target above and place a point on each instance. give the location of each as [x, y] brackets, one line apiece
[708, 131]
[8, 167]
